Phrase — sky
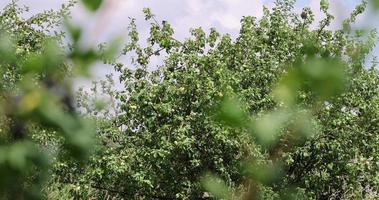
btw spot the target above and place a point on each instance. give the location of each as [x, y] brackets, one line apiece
[224, 15]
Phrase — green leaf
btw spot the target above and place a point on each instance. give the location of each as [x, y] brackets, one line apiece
[264, 173]
[74, 31]
[112, 49]
[216, 187]
[231, 112]
[324, 5]
[92, 5]
[268, 127]
[7, 49]
[375, 3]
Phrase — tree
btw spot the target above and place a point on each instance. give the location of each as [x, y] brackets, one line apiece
[169, 131]
[284, 111]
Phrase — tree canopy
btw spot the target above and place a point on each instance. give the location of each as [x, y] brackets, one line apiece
[283, 111]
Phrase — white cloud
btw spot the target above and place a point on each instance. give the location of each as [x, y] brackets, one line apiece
[234, 10]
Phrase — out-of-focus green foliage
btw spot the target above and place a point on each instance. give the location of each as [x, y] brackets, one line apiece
[92, 5]
[375, 4]
[284, 111]
[34, 94]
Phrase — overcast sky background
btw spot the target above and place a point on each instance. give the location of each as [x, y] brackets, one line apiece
[224, 15]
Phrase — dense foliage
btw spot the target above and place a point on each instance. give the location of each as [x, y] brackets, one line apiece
[36, 101]
[284, 111]
[170, 133]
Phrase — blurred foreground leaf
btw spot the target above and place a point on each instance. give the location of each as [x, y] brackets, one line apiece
[92, 5]
[217, 187]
